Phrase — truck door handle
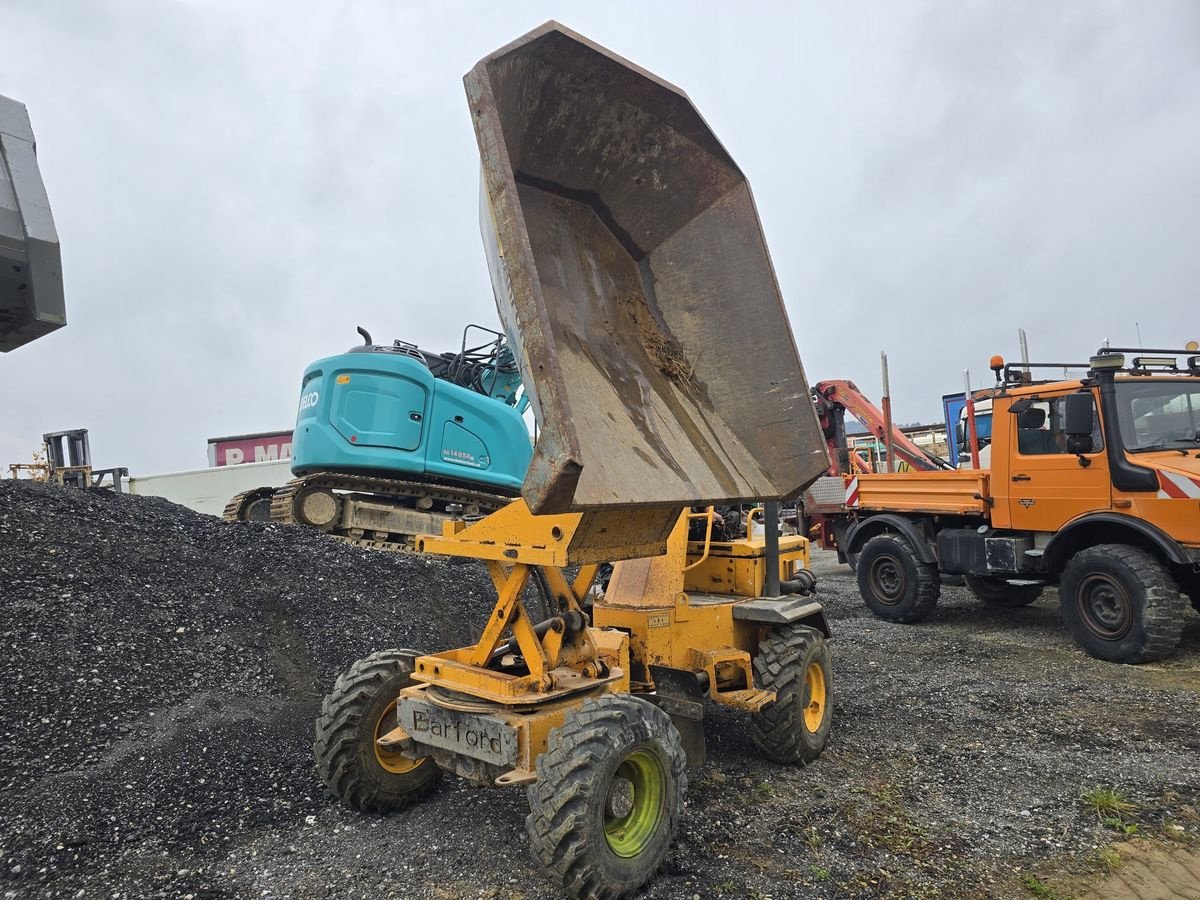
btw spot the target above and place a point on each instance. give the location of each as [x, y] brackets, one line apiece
[1021, 478]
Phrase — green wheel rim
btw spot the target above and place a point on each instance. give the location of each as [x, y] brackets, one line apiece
[635, 804]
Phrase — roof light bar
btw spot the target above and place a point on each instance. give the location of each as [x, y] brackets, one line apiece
[1141, 362]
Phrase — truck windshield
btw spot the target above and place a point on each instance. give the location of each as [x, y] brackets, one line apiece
[1155, 415]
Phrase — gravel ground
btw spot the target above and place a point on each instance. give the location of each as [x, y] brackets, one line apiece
[161, 670]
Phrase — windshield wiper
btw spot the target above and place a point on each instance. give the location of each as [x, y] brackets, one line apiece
[1164, 444]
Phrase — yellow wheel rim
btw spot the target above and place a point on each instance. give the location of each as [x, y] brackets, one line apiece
[814, 709]
[390, 760]
[631, 821]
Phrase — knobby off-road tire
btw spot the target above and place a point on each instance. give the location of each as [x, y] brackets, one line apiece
[894, 583]
[607, 800]
[360, 708]
[997, 592]
[1121, 604]
[793, 661]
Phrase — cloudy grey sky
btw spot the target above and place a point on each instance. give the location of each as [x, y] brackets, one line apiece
[237, 184]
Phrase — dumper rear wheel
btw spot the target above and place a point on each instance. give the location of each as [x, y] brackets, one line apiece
[360, 708]
[793, 661]
[999, 593]
[606, 803]
[894, 583]
[1121, 603]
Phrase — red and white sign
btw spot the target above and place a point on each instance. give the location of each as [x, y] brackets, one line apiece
[1173, 486]
[851, 491]
[247, 448]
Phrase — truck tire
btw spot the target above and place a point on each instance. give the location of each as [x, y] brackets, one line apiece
[605, 807]
[894, 583]
[793, 661]
[999, 593]
[359, 709]
[1121, 604]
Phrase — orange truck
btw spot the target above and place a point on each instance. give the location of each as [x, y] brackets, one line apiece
[1093, 487]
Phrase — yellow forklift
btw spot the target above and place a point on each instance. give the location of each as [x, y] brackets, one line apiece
[633, 280]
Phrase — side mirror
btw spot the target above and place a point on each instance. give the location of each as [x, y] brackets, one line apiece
[1079, 443]
[1079, 412]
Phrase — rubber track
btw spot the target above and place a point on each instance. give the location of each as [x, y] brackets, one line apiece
[1162, 614]
[283, 502]
[336, 744]
[233, 508]
[557, 824]
[775, 729]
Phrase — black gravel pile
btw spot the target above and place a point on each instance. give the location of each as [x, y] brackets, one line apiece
[160, 671]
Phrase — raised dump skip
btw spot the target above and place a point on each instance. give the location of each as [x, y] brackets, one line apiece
[31, 291]
[631, 271]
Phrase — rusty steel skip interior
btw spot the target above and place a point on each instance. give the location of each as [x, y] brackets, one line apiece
[632, 275]
[634, 282]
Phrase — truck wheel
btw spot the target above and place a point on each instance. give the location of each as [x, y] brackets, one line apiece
[609, 791]
[793, 661]
[997, 592]
[894, 583]
[360, 708]
[1121, 604]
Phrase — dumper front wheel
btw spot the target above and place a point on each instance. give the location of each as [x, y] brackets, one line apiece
[793, 661]
[361, 708]
[894, 583]
[609, 791]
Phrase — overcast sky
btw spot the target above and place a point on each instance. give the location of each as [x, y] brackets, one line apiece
[238, 184]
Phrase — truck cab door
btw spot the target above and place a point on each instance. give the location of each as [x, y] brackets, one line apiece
[1048, 486]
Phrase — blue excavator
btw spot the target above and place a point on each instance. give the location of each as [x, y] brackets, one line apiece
[391, 440]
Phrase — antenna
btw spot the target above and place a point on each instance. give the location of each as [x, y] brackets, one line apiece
[1139, 333]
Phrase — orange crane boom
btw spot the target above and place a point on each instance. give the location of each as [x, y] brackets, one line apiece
[833, 399]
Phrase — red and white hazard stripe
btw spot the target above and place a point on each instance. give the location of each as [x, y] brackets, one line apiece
[1173, 486]
[852, 491]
